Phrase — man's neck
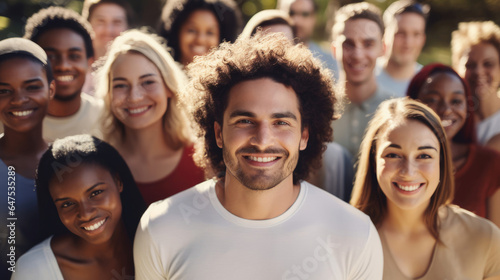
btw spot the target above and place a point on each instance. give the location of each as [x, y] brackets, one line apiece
[62, 109]
[400, 71]
[359, 93]
[256, 205]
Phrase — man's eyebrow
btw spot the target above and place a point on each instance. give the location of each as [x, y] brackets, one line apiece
[241, 113]
[284, 115]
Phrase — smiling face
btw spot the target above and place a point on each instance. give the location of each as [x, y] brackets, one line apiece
[197, 35]
[24, 94]
[408, 38]
[445, 94]
[481, 68]
[108, 20]
[360, 45]
[261, 135]
[138, 96]
[66, 51]
[88, 202]
[407, 163]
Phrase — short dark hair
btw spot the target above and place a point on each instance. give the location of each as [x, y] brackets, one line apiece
[176, 12]
[261, 56]
[70, 151]
[355, 11]
[59, 17]
[405, 6]
[90, 5]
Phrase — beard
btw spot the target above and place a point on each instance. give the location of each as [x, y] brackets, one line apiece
[67, 98]
[259, 179]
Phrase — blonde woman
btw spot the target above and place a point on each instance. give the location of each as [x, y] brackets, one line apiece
[145, 120]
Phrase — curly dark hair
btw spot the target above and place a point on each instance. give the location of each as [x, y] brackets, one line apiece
[69, 152]
[59, 17]
[176, 12]
[262, 56]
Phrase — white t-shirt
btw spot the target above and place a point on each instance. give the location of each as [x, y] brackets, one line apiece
[38, 263]
[86, 120]
[488, 128]
[192, 236]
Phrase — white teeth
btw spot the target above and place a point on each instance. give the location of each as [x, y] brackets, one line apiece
[446, 123]
[22, 113]
[408, 188]
[138, 110]
[199, 49]
[263, 159]
[66, 78]
[95, 226]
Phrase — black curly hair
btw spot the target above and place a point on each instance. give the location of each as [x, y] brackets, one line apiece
[59, 17]
[176, 12]
[261, 56]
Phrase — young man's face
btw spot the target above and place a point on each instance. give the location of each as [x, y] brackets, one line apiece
[261, 134]
[67, 54]
[408, 38]
[304, 17]
[359, 46]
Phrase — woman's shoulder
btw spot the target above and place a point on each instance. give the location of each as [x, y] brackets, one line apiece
[458, 223]
[38, 263]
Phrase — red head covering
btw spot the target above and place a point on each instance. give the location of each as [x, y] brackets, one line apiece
[467, 134]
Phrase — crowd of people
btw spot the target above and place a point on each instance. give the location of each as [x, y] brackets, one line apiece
[205, 149]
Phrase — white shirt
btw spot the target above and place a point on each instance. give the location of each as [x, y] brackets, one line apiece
[192, 236]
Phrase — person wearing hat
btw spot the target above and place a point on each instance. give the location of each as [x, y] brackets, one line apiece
[26, 86]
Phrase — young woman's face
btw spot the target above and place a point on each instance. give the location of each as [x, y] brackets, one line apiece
[445, 94]
[407, 164]
[24, 94]
[88, 202]
[138, 94]
[197, 35]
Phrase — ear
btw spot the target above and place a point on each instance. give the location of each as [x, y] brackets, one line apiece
[218, 134]
[304, 138]
[384, 48]
[52, 89]
[334, 49]
[119, 183]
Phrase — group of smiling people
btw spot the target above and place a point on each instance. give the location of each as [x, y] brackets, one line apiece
[419, 155]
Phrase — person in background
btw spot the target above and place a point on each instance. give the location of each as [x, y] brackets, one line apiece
[270, 21]
[475, 49]
[66, 37]
[263, 107]
[108, 19]
[357, 43]
[477, 180]
[405, 22]
[144, 119]
[303, 14]
[89, 210]
[404, 182]
[26, 86]
[193, 27]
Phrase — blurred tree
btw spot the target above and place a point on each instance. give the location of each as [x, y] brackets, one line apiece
[444, 17]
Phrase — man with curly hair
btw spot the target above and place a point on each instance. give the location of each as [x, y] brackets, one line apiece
[66, 37]
[263, 108]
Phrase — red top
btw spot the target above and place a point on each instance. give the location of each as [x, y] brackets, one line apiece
[478, 179]
[184, 176]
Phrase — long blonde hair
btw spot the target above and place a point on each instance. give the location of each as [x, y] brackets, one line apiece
[177, 128]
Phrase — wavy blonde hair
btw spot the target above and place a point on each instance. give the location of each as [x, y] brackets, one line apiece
[177, 128]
